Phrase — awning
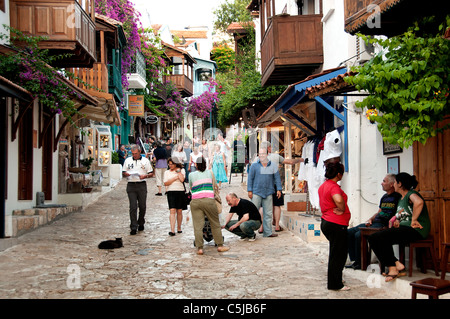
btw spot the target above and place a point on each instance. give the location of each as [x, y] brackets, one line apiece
[101, 107]
[296, 93]
[105, 111]
[304, 93]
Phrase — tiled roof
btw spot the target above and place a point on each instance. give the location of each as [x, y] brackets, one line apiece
[188, 34]
[237, 27]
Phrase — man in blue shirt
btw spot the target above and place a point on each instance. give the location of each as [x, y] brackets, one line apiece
[261, 178]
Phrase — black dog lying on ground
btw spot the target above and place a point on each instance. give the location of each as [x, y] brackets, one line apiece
[111, 244]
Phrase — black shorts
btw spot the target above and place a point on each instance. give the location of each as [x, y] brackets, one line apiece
[175, 199]
[278, 201]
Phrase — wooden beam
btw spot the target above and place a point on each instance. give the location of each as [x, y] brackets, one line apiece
[16, 123]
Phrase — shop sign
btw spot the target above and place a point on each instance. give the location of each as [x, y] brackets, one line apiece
[136, 105]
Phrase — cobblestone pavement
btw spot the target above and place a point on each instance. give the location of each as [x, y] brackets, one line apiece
[62, 261]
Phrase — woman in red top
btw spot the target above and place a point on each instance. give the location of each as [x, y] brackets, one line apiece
[335, 218]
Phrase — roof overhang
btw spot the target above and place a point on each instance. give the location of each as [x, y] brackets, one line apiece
[297, 93]
[105, 111]
[13, 90]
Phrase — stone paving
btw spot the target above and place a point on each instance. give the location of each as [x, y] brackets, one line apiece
[62, 261]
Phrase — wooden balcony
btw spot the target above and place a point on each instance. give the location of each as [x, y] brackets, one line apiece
[291, 49]
[96, 79]
[389, 17]
[103, 80]
[68, 25]
[183, 84]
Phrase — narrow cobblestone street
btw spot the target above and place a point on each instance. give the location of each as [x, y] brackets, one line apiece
[45, 263]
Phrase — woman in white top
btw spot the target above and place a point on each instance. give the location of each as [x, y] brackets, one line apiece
[178, 154]
[173, 180]
[194, 158]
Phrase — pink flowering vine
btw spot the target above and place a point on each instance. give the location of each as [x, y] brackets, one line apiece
[124, 12]
[202, 105]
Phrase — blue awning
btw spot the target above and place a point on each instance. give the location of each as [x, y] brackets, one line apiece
[296, 92]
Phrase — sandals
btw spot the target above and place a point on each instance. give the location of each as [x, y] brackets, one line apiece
[390, 278]
[401, 273]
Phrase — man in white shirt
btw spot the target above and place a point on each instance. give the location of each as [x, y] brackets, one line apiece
[136, 169]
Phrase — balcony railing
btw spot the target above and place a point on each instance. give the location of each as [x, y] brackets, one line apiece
[291, 49]
[68, 25]
[115, 81]
[102, 80]
[389, 17]
[182, 83]
[137, 75]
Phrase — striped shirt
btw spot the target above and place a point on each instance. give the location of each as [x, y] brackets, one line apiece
[201, 184]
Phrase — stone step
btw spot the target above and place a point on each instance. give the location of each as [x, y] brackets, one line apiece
[26, 220]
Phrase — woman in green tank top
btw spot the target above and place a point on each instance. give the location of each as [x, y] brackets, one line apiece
[411, 223]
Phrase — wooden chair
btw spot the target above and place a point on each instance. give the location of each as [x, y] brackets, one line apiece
[433, 287]
[425, 243]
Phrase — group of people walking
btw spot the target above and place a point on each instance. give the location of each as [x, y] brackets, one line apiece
[172, 172]
[204, 179]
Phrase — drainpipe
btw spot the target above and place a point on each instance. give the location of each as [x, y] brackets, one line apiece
[358, 163]
[3, 143]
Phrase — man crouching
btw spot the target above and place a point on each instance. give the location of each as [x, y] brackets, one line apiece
[249, 217]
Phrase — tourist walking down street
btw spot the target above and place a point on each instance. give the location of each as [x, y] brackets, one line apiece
[122, 152]
[204, 150]
[137, 168]
[178, 155]
[202, 183]
[174, 182]
[335, 219]
[261, 179]
[160, 166]
[187, 151]
[218, 166]
[193, 158]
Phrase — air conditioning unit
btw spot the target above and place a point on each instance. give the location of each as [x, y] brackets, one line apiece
[364, 50]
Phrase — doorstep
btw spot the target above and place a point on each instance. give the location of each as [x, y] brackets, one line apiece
[26, 220]
[306, 226]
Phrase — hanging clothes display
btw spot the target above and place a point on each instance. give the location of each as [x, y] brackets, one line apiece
[313, 169]
[332, 148]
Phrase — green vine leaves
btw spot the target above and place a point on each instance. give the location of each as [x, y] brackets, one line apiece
[408, 84]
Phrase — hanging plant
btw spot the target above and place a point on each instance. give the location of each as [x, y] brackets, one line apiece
[123, 11]
[30, 68]
[202, 105]
[174, 103]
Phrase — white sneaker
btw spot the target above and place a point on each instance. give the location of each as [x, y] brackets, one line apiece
[253, 238]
